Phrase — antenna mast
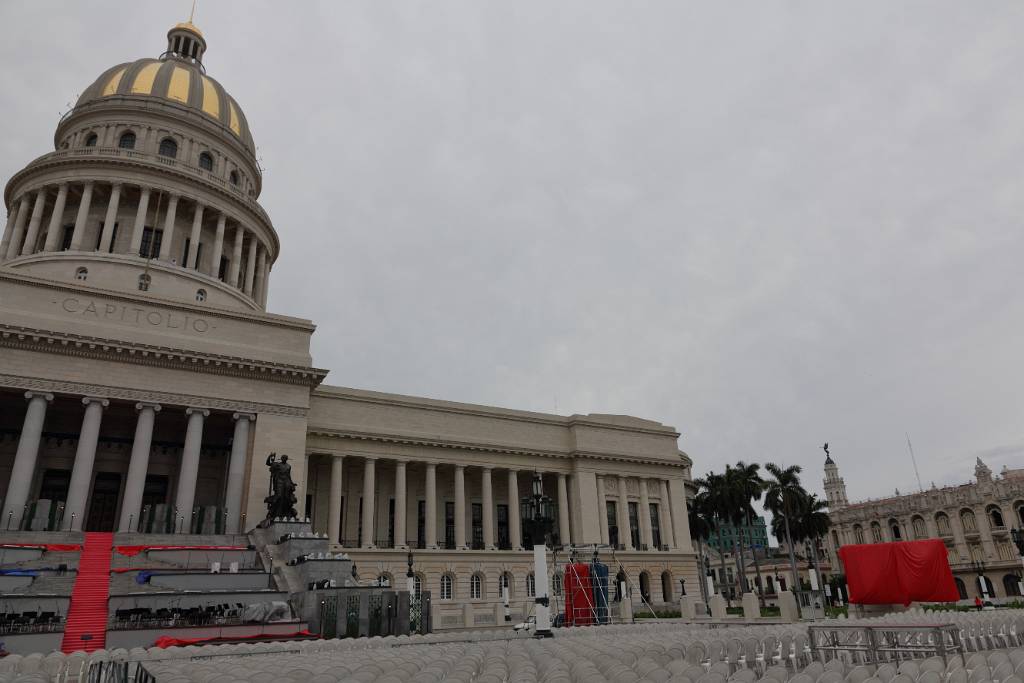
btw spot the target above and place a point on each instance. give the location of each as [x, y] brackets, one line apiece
[910, 447]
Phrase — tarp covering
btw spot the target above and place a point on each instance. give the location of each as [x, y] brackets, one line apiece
[168, 641]
[18, 572]
[898, 573]
[131, 550]
[579, 606]
[599, 580]
[50, 547]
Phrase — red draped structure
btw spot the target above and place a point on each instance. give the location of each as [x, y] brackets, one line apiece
[898, 573]
[579, 606]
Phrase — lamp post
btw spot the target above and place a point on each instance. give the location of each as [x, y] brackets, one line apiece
[1018, 540]
[410, 578]
[979, 568]
[537, 511]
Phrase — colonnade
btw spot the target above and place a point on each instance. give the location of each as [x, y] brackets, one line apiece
[22, 234]
[368, 518]
[27, 454]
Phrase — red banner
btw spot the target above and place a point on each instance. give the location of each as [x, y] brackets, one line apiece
[898, 573]
[168, 641]
[131, 550]
[50, 547]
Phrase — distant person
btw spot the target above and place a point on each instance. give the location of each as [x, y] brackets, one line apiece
[978, 603]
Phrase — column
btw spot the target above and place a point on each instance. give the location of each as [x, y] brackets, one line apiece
[369, 472]
[168, 238]
[261, 260]
[602, 502]
[514, 529]
[334, 499]
[401, 541]
[85, 456]
[460, 507]
[236, 473]
[12, 216]
[29, 245]
[131, 504]
[563, 511]
[56, 218]
[625, 531]
[236, 256]
[78, 234]
[25, 459]
[193, 242]
[680, 520]
[668, 533]
[250, 265]
[19, 229]
[140, 222]
[218, 246]
[266, 282]
[646, 534]
[189, 473]
[110, 220]
[488, 517]
[430, 532]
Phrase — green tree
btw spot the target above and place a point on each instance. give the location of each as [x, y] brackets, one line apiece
[701, 524]
[782, 496]
[714, 499]
[747, 487]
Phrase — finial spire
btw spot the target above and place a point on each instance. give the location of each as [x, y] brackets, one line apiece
[192, 14]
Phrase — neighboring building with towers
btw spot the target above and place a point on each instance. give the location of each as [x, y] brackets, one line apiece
[973, 519]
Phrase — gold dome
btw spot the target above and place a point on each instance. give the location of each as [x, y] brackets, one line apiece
[189, 26]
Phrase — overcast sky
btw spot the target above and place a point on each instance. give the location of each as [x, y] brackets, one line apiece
[767, 224]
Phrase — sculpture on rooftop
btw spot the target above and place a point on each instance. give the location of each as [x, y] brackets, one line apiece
[281, 501]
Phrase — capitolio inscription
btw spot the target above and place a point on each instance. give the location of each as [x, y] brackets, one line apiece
[134, 315]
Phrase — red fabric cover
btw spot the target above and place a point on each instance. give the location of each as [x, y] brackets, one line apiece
[132, 550]
[51, 547]
[579, 608]
[898, 573]
[168, 641]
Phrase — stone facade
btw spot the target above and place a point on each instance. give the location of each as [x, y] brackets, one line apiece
[974, 520]
[143, 382]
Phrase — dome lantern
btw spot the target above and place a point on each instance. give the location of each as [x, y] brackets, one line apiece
[185, 41]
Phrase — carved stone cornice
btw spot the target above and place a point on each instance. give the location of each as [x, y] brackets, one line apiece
[455, 444]
[136, 395]
[99, 348]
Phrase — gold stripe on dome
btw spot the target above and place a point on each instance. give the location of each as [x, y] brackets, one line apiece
[178, 89]
[211, 100]
[111, 87]
[143, 84]
[235, 126]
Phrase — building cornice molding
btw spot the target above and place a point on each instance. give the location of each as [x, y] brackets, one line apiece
[455, 444]
[98, 348]
[149, 396]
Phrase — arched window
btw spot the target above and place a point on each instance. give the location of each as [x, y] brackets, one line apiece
[144, 282]
[556, 584]
[985, 586]
[876, 532]
[476, 587]
[942, 522]
[858, 533]
[200, 295]
[233, 177]
[645, 586]
[384, 580]
[92, 140]
[206, 161]
[1020, 513]
[127, 140]
[505, 581]
[417, 586]
[952, 556]
[977, 554]
[961, 588]
[446, 586]
[531, 585]
[920, 530]
[168, 148]
[967, 519]
[1011, 585]
[995, 515]
[894, 528]
[666, 586]
[82, 274]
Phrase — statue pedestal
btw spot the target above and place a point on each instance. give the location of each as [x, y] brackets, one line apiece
[751, 606]
[717, 605]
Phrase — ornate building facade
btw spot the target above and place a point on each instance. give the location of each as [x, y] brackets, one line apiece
[143, 381]
[974, 520]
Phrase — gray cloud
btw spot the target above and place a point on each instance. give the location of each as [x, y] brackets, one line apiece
[769, 225]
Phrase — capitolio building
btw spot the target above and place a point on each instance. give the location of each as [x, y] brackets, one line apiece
[143, 382]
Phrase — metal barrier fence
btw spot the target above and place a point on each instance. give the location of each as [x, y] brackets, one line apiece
[876, 644]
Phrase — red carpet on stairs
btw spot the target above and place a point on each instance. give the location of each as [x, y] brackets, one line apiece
[86, 626]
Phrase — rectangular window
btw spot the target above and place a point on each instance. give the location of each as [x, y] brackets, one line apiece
[359, 524]
[341, 525]
[634, 523]
[655, 526]
[613, 523]
[449, 525]
[199, 253]
[55, 487]
[478, 526]
[391, 523]
[504, 541]
[225, 264]
[151, 240]
[99, 238]
[65, 238]
[421, 524]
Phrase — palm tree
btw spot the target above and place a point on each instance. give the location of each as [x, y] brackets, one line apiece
[713, 497]
[748, 486]
[782, 496]
[813, 522]
[700, 531]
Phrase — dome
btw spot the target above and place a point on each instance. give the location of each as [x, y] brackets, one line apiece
[176, 77]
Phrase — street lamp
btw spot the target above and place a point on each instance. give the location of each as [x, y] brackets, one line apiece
[410, 578]
[537, 511]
